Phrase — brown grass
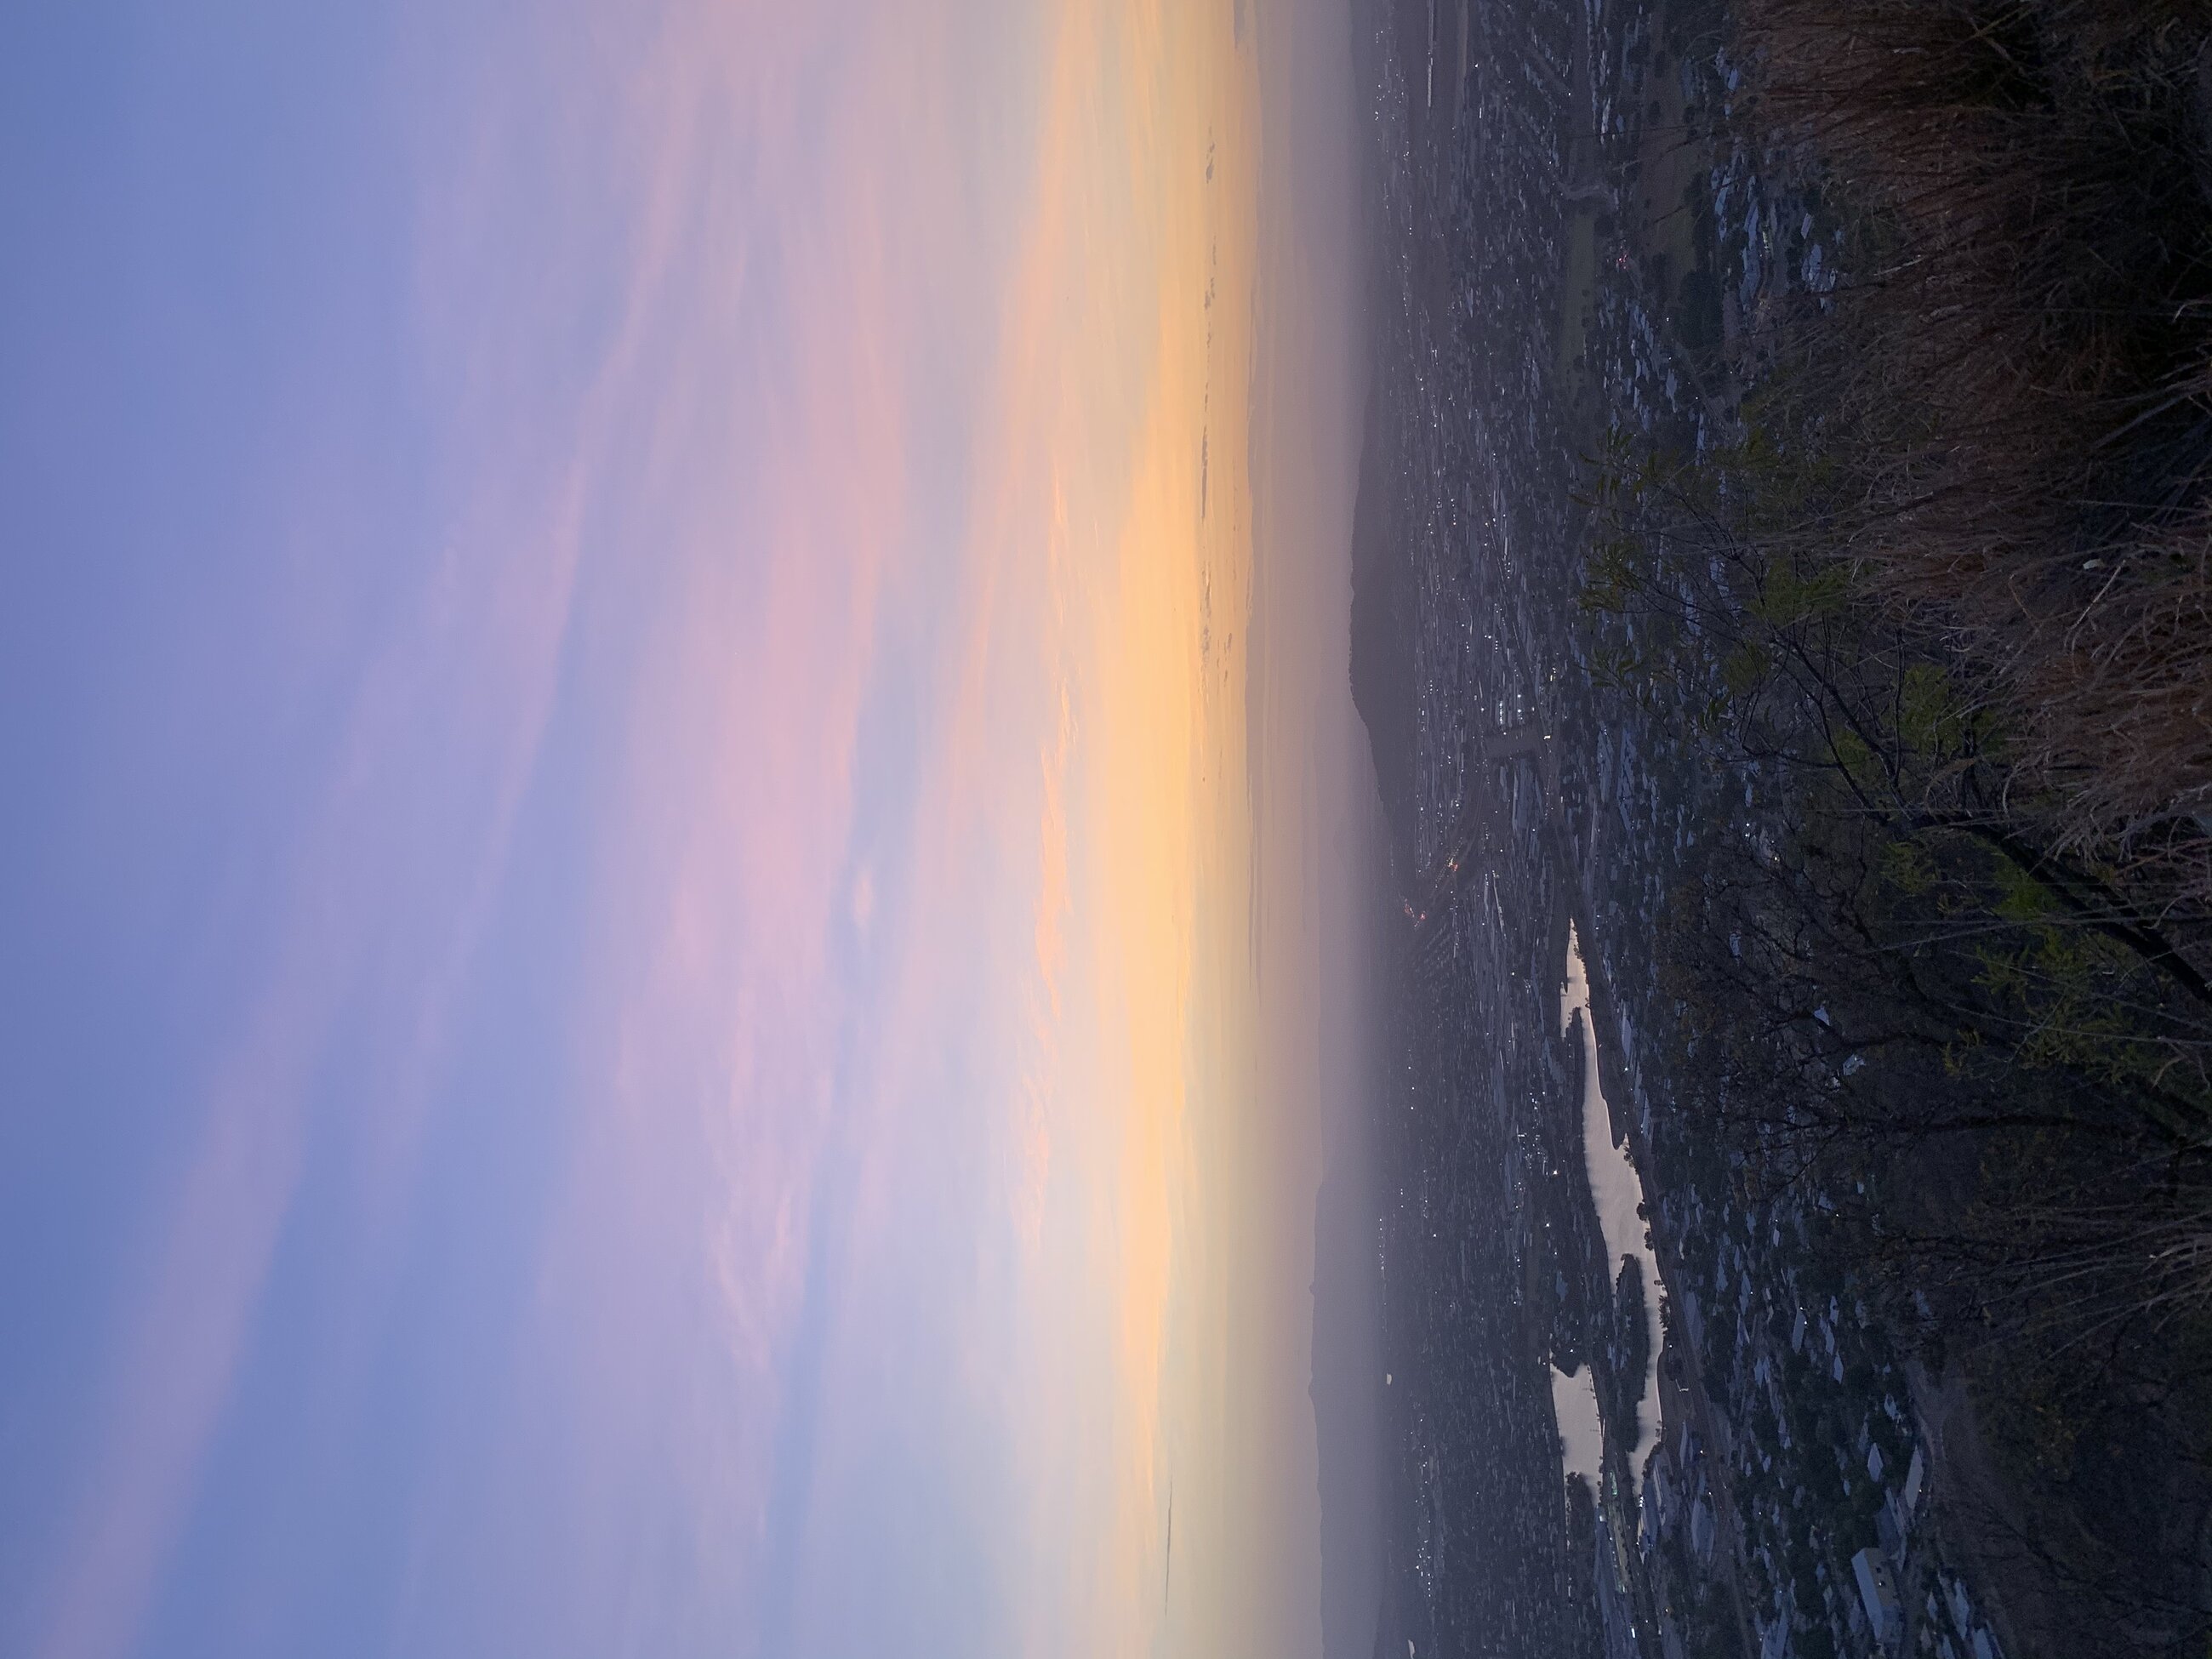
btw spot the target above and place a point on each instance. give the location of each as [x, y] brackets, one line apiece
[2015, 390]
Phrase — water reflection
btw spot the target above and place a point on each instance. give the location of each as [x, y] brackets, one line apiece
[1618, 1190]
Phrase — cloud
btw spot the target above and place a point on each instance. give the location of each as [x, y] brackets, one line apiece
[808, 402]
[384, 898]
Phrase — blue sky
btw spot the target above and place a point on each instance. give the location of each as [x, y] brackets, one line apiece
[625, 879]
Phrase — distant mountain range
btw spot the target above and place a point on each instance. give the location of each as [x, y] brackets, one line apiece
[1383, 687]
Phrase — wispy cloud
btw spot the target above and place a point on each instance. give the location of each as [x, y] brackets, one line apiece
[804, 595]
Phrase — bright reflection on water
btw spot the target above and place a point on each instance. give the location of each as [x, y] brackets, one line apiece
[1574, 1399]
[1617, 1189]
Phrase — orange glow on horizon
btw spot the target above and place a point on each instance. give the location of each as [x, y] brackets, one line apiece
[1126, 364]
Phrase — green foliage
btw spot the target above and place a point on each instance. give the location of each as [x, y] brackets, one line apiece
[1908, 866]
[1931, 720]
[1794, 593]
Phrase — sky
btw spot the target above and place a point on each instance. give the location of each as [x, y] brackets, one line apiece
[681, 813]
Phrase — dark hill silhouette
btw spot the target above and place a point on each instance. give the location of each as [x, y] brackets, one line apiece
[1383, 687]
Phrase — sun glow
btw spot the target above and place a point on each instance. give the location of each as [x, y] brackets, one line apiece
[1129, 358]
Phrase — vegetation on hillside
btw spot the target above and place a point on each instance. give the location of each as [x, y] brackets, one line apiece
[1948, 600]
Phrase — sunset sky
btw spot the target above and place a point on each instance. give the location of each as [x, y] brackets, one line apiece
[681, 792]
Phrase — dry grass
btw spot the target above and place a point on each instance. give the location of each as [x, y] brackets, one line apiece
[2014, 394]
